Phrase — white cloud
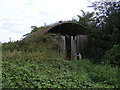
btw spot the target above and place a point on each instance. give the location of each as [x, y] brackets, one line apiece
[17, 16]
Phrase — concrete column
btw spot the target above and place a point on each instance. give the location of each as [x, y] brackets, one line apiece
[62, 45]
[73, 47]
[81, 46]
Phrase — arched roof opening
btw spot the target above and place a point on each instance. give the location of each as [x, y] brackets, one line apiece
[68, 28]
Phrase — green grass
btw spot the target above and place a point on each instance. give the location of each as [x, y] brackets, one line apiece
[38, 66]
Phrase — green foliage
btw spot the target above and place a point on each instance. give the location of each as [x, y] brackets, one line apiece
[44, 68]
[86, 18]
[113, 56]
[34, 29]
[40, 44]
[36, 64]
[103, 28]
[96, 44]
[103, 10]
[105, 74]
[107, 15]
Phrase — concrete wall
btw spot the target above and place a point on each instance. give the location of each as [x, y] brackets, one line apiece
[82, 42]
[73, 47]
[62, 45]
[77, 48]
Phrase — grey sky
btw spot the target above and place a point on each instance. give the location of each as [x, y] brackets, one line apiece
[17, 16]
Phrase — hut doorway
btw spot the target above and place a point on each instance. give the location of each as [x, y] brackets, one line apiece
[73, 39]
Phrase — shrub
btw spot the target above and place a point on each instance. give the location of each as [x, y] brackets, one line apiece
[113, 56]
[105, 75]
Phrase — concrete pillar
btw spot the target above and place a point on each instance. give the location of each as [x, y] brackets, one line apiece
[62, 45]
[73, 47]
[81, 46]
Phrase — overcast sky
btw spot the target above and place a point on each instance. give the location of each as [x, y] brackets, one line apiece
[17, 16]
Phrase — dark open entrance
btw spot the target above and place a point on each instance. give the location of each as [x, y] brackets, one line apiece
[69, 30]
[68, 46]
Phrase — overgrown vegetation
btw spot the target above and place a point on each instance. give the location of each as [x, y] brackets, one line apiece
[103, 28]
[44, 68]
[113, 56]
[37, 64]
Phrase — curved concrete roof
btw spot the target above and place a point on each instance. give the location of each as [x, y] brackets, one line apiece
[68, 28]
[64, 28]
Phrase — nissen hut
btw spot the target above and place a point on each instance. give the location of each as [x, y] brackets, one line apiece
[73, 39]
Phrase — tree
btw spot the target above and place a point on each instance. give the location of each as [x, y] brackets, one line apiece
[103, 10]
[103, 27]
[107, 34]
[86, 19]
[94, 33]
